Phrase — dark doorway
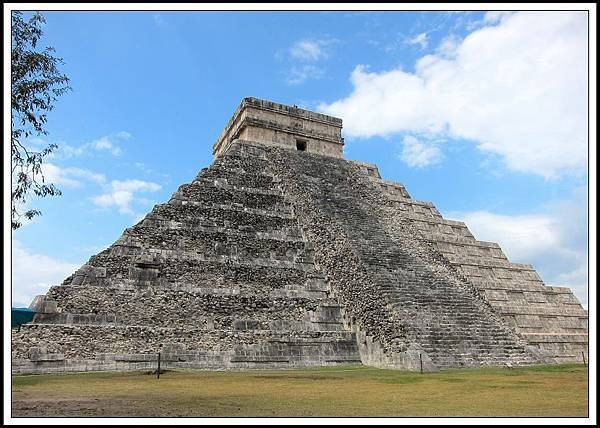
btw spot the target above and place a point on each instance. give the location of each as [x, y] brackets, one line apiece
[301, 145]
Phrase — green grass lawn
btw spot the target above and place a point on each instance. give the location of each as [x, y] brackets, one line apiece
[330, 391]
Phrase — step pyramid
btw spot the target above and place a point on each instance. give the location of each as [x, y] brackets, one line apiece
[284, 254]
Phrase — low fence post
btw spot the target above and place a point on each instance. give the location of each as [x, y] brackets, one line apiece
[583, 355]
[158, 371]
[421, 362]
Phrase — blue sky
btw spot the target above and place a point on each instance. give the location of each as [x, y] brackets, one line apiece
[484, 114]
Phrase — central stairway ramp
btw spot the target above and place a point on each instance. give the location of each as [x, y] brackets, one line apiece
[411, 302]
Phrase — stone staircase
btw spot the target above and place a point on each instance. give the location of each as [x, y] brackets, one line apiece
[548, 318]
[428, 305]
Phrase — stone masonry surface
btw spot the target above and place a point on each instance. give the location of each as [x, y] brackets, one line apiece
[284, 126]
[395, 288]
[219, 277]
[277, 257]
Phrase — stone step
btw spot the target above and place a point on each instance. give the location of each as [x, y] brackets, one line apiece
[223, 215]
[216, 243]
[207, 230]
[105, 269]
[240, 178]
[80, 341]
[176, 307]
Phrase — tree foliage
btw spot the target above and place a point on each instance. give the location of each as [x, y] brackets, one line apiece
[36, 82]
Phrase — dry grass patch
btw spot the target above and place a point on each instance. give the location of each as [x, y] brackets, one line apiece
[332, 391]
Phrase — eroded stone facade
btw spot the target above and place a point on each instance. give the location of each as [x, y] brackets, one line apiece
[280, 257]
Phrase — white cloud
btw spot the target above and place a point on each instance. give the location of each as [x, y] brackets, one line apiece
[36, 141]
[302, 58]
[553, 240]
[87, 174]
[302, 73]
[66, 151]
[124, 135]
[495, 16]
[59, 176]
[67, 177]
[142, 166]
[135, 185]
[419, 39]
[417, 154]
[448, 46]
[122, 194]
[517, 89]
[55, 175]
[33, 274]
[159, 20]
[308, 50]
[103, 144]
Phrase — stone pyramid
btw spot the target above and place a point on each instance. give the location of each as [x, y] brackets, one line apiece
[283, 254]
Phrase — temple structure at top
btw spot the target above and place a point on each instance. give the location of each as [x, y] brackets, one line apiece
[283, 126]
